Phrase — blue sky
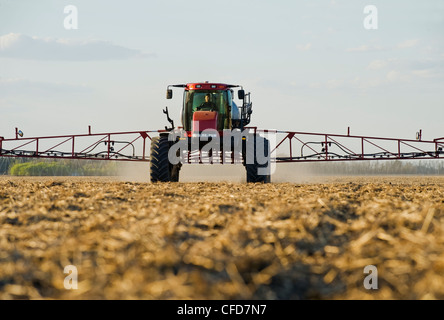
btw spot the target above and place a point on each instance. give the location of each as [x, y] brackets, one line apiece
[310, 65]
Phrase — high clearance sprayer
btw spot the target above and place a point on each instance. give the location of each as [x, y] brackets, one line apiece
[215, 131]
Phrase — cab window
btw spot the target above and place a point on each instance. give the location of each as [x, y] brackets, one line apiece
[193, 99]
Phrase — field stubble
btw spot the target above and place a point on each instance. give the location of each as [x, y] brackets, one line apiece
[134, 240]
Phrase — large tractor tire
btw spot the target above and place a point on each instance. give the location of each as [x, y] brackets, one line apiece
[253, 168]
[161, 170]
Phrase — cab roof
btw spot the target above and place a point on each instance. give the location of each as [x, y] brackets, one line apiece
[209, 86]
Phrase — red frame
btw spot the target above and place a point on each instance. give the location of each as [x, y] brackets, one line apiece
[287, 143]
[394, 154]
[76, 153]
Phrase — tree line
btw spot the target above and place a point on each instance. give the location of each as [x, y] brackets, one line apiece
[56, 167]
[387, 167]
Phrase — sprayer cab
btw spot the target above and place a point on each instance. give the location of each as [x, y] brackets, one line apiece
[211, 106]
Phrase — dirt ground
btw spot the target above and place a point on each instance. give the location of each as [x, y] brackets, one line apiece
[195, 240]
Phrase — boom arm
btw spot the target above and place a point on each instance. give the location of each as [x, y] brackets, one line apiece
[123, 146]
[286, 146]
[304, 147]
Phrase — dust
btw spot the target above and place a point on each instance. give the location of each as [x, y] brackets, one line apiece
[235, 173]
[133, 172]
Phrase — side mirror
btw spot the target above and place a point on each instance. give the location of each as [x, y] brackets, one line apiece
[241, 94]
[169, 94]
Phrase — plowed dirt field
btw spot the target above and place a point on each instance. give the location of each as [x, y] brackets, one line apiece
[135, 240]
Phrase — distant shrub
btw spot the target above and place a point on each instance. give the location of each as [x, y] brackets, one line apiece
[62, 168]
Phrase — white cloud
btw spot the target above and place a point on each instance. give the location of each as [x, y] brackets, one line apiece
[408, 43]
[374, 48]
[346, 84]
[393, 73]
[331, 30]
[367, 83]
[377, 64]
[334, 83]
[19, 87]
[21, 46]
[425, 68]
[305, 47]
[426, 73]
[396, 76]
[365, 48]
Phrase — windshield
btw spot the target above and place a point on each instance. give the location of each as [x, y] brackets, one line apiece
[206, 100]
